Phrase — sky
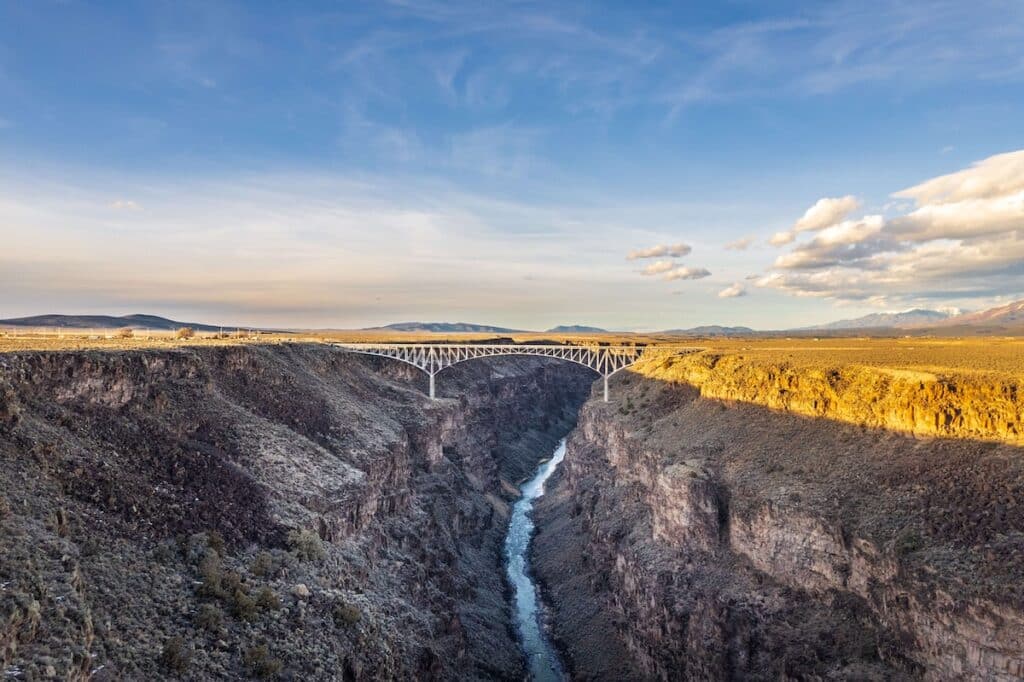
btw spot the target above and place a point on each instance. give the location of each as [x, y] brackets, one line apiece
[630, 165]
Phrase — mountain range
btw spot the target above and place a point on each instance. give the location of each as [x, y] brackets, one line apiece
[910, 318]
[137, 321]
[1008, 318]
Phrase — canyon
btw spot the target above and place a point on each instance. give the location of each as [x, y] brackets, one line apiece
[287, 510]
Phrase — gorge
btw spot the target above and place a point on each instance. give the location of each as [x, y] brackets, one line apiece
[292, 511]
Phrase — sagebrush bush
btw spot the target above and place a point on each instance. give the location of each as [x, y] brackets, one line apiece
[125, 333]
[260, 663]
[267, 599]
[175, 655]
[215, 541]
[243, 605]
[185, 333]
[262, 565]
[306, 544]
[210, 618]
[346, 614]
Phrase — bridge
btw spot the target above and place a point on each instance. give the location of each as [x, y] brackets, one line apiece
[435, 357]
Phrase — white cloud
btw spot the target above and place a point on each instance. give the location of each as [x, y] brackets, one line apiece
[739, 244]
[124, 205]
[825, 212]
[684, 272]
[962, 239]
[673, 250]
[734, 291]
[782, 238]
[658, 267]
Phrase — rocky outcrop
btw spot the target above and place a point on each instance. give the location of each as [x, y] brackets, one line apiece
[269, 510]
[980, 406]
[698, 538]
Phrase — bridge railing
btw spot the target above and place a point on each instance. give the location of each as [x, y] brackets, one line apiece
[433, 358]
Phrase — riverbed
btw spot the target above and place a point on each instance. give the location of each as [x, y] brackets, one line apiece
[542, 657]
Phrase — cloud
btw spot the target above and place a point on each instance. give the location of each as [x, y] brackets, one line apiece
[673, 250]
[739, 244]
[961, 239]
[782, 238]
[125, 205]
[658, 267]
[734, 291]
[825, 212]
[684, 272]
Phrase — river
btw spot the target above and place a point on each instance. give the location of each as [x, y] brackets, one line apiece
[542, 657]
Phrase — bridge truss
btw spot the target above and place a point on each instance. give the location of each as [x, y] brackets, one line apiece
[435, 357]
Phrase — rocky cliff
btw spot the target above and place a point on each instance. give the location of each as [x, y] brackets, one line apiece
[271, 511]
[695, 537]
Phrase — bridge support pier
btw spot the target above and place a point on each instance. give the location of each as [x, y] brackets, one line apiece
[606, 388]
[432, 387]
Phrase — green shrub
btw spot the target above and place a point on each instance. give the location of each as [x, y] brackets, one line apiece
[175, 655]
[267, 599]
[262, 565]
[210, 618]
[346, 614]
[212, 575]
[243, 605]
[306, 545]
[215, 541]
[260, 663]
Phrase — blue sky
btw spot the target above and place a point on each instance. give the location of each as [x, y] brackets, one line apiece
[361, 163]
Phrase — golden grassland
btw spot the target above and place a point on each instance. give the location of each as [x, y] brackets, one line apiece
[941, 357]
[954, 387]
[958, 388]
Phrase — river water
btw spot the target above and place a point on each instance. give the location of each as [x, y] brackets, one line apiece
[541, 655]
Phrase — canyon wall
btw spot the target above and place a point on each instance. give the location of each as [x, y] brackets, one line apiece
[694, 533]
[268, 510]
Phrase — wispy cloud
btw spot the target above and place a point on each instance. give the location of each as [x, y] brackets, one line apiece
[739, 244]
[733, 291]
[673, 250]
[686, 273]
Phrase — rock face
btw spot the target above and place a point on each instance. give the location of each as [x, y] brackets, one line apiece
[691, 538]
[286, 510]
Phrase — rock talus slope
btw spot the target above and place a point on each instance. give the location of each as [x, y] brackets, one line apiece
[693, 537]
[273, 511]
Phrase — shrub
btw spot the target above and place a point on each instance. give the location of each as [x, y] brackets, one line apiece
[185, 333]
[346, 614]
[262, 565]
[215, 541]
[210, 572]
[125, 333]
[243, 605]
[306, 545]
[175, 655]
[260, 663]
[267, 599]
[59, 523]
[210, 618]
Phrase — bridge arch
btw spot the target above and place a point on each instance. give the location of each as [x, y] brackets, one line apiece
[435, 358]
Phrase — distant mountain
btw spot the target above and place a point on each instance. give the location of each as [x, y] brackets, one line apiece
[711, 330]
[910, 318]
[105, 322]
[445, 327]
[1009, 315]
[576, 329]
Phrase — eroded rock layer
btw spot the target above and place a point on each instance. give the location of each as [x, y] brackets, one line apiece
[265, 511]
[692, 538]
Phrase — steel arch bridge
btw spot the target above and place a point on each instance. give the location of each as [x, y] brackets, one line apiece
[435, 357]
